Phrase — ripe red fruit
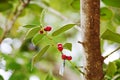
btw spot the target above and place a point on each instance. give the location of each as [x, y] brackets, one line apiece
[60, 48]
[64, 56]
[48, 28]
[69, 57]
[60, 45]
[41, 31]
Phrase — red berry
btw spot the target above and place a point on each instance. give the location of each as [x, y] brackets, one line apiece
[41, 31]
[64, 56]
[48, 28]
[69, 57]
[60, 48]
[60, 45]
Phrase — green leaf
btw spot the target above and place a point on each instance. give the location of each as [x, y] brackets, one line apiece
[42, 16]
[29, 26]
[63, 29]
[113, 3]
[111, 69]
[5, 6]
[32, 32]
[38, 56]
[1, 32]
[1, 78]
[109, 35]
[76, 4]
[105, 13]
[36, 39]
[68, 46]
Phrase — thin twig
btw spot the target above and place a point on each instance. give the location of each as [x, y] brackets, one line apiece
[111, 53]
[77, 68]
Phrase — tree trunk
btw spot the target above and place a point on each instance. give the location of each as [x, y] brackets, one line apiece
[90, 25]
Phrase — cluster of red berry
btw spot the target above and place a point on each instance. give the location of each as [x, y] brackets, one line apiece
[60, 46]
[47, 29]
[64, 57]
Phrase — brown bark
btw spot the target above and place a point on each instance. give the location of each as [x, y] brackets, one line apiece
[90, 25]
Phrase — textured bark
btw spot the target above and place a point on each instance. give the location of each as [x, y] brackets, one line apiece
[90, 25]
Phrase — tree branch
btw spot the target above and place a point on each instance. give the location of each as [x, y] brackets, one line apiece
[16, 13]
[111, 53]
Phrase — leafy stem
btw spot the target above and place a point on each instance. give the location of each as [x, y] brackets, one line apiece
[77, 68]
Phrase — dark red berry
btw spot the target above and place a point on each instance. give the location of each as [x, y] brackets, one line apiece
[60, 48]
[48, 28]
[60, 45]
[41, 31]
[64, 56]
[69, 57]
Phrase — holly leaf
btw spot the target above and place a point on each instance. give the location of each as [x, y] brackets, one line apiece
[36, 39]
[111, 69]
[109, 35]
[38, 56]
[63, 29]
[68, 46]
[113, 3]
[32, 32]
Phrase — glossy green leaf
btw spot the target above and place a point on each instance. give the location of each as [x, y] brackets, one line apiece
[38, 56]
[32, 32]
[36, 39]
[76, 4]
[105, 13]
[63, 29]
[1, 78]
[30, 26]
[113, 3]
[1, 32]
[111, 69]
[5, 6]
[109, 35]
[68, 46]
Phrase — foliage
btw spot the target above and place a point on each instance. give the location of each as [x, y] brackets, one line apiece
[39, 50]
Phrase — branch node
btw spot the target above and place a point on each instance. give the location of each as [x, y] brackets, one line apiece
[81, 42]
